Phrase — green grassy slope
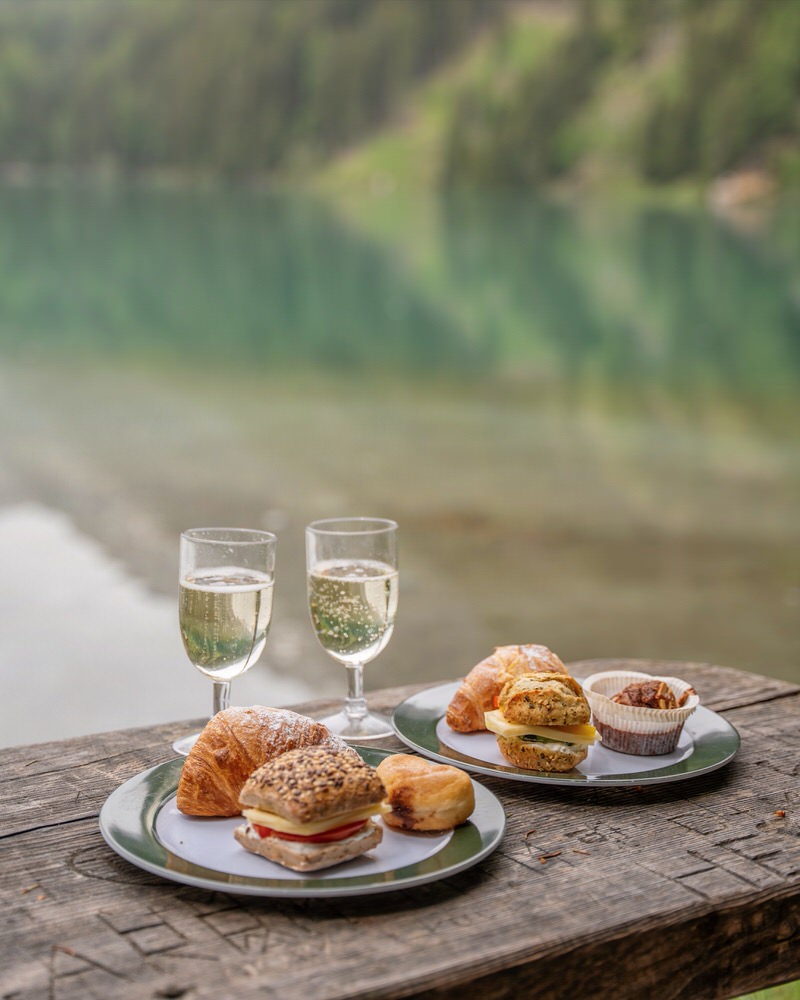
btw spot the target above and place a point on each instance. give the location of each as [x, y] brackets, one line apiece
[406, 154]
[790, 991]
[600, 96]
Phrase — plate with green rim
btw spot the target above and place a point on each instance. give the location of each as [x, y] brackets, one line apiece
[140, 822]
[707, 742]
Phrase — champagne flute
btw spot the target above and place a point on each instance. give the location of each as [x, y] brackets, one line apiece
[352, 595]
[225, 605]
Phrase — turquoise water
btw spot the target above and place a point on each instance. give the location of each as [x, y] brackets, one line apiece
[585, 419]
[639, 299]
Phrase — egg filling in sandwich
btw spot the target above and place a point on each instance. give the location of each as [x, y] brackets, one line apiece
[311, 808]
[542, 722]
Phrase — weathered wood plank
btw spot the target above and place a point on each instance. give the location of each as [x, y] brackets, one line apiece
[691, 889]
[663, 964]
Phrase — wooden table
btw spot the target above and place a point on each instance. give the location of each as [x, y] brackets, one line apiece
[688, 890]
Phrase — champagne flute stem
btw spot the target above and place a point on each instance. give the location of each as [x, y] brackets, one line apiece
[222, 695]
[355, 704]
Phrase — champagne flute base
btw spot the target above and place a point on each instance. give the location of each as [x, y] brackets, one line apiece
[185, 744]
[372, 726]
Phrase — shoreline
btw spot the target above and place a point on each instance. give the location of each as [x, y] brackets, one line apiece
[92, 648]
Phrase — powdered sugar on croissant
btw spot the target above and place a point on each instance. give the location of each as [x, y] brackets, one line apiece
[233, 744]
[483, 683]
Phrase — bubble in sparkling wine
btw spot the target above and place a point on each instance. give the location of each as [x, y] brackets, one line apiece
[353, 605]
[225, 615]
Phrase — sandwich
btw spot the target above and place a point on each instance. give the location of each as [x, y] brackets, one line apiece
[312, 808]
[542, 722]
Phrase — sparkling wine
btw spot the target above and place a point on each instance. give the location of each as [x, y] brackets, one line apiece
[225, 614]
[353, 604]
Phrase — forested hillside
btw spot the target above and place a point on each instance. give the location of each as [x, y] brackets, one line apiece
[661, 90]
[224, 86]
[459, 93]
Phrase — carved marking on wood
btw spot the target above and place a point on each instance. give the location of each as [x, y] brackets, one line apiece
[232, 922]
[125, 921]
[66, 961]
[152, 940]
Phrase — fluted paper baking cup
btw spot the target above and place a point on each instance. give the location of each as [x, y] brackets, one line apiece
[632, 728]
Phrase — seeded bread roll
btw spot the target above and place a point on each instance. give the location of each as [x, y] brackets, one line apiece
[544, 700]
[555, 757]
[313, 783]
[423, 795]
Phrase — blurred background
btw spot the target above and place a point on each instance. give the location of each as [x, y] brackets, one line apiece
[524, 276]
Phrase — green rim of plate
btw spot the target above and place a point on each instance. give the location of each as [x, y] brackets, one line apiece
[128, 824]
[415, 720]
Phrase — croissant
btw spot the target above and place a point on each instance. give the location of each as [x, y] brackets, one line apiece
[483, 683]
[233, 744]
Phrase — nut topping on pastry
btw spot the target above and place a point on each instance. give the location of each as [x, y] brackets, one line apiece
[650, 694]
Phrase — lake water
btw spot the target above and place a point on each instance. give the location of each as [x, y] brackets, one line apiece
[585, 421]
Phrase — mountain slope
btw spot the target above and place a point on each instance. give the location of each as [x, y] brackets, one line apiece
[618, 94]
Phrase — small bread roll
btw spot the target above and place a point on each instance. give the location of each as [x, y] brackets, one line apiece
[544, 700]
[423, 795]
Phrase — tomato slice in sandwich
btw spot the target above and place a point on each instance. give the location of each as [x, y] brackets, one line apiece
[328, 836]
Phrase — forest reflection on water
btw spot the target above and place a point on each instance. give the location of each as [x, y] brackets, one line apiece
[489, 286]
[585, 420]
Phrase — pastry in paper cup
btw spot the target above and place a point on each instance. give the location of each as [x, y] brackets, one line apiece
[633, 728]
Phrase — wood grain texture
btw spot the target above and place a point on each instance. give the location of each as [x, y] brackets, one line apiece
[676, 891]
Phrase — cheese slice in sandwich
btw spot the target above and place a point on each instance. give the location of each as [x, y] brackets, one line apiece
[497, 723]
[260, 817]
